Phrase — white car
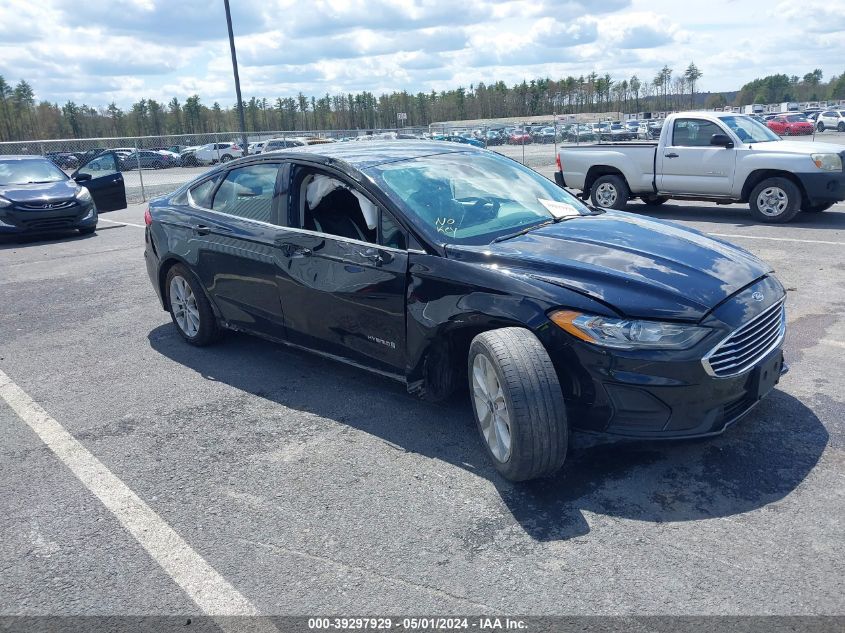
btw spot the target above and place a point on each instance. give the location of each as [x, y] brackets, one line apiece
[831, 120]
[255, 148]
[211, 153]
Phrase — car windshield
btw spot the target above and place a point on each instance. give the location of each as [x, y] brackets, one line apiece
[28, 172]
[748, 130]
[473, 198]
[796, 117]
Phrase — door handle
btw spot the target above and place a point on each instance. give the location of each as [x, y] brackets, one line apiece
[294, 250]
[376, 256]
[671, 155]
[202, 229]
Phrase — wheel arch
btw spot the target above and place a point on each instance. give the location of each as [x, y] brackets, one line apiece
[597, 171]
[759, 175]
[164, 268]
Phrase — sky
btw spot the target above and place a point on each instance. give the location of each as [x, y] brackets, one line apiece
[99, 51]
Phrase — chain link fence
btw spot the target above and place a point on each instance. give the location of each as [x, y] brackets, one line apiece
[156, 165]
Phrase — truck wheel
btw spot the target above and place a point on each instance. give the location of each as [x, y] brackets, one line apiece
[816, 208]
[518, 403]
[654, 201]
[610, 192]
[775, 200]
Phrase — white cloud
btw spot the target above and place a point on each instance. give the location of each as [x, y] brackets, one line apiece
[123, 50]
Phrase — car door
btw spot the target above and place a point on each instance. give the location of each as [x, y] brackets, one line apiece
[342, 294]
[233, 227]
[688, 164]
[101, 176]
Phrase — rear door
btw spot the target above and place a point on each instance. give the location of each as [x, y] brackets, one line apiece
[234, 227]
[102, 177]
[688, 164]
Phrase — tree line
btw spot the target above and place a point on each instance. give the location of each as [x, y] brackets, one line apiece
[24, 118]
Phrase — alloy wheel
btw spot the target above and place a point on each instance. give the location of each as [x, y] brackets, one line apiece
[772, 201]
[183, 303]
[491, 408]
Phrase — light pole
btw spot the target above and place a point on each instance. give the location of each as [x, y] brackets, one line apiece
[244, 140]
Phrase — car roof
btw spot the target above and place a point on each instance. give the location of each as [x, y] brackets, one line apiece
[22, 157]
[364, 155]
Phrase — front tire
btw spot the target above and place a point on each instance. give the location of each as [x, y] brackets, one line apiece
[775, 200]
[610, 192]
[518, 404]
[189, 308]
[841, 126]
[88, 230]
[820, 126]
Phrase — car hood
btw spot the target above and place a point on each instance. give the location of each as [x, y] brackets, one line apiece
[46, 192]
[798, 147]
[639, 267]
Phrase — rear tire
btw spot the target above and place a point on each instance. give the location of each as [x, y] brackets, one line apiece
[189, 307]
[654, 201]
[610, 192]
[775, 200]
[225, 158]
[816, 208]
[518, 404]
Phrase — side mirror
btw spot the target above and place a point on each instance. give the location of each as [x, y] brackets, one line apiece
[721, 140]
[81, 177]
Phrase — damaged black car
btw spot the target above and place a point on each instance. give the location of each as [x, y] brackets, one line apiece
[455, 268]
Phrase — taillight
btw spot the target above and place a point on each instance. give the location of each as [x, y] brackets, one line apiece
[148, 217]
[559, 164]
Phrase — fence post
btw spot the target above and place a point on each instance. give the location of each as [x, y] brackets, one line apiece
[217, 147]
[523, 142]
[140, 175]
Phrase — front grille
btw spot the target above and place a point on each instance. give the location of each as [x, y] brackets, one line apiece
[48, 224]
[47, 206]
[749, 344]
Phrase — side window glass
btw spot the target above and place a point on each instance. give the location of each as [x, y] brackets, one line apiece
[391, 234]
[694, 132]
[247, 192]
[328, 205]
[100, 166]
[201, 194]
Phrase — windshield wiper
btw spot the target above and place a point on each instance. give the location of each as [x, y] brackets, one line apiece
[528, 229]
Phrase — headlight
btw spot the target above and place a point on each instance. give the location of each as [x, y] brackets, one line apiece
[83, 195]
[628, 333]
[4, 203]
[828, 162]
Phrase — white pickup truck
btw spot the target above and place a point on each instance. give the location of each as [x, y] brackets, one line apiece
[720, 157]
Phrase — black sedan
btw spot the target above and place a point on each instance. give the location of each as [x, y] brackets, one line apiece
[443, 266]
[36, 196]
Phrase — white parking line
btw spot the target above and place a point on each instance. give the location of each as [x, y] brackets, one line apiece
[140, 226]
[207, 588]
[828, 341]
[776, 239]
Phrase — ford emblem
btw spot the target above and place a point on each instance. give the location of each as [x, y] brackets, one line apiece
[757, 296]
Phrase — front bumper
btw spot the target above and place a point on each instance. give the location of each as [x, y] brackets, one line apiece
[823, 186]
[15, 220]
[668, 394]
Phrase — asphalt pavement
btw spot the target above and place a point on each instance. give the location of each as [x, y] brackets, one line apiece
[308, 487]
